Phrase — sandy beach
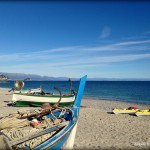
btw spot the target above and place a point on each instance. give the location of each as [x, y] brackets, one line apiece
[98, 128]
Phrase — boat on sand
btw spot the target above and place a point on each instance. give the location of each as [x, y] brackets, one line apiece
[130, 110]
[37, 97]
[145, 112]
[51, 127]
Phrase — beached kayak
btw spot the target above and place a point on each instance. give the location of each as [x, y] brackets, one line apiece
[145, 112]
[130, 110]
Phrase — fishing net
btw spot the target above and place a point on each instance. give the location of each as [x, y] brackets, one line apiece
[15, 129]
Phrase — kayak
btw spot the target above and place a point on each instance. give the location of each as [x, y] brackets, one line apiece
[145, 112]
[130, 110]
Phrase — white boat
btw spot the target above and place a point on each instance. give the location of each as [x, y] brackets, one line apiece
[37, 99]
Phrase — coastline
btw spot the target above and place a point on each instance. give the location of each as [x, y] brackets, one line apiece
[97, 127]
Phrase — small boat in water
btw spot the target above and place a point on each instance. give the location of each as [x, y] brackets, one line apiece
[130, 110]
[51, 127]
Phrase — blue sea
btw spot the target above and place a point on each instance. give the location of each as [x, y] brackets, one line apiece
[129, 91]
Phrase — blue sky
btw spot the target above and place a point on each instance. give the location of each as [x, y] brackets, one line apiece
[71, 39]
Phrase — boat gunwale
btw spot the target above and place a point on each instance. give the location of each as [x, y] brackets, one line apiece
[45, 96]
[75, 115]
[53, 140]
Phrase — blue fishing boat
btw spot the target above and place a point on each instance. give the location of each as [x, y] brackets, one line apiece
[59, 136]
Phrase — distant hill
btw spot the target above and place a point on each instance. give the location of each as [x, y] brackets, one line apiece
[33, 77]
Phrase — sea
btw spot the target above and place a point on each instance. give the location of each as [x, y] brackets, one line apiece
[128, 91]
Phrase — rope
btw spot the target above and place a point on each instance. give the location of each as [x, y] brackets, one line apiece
[35, 142]
[14, 134]
[16, 129]
[12, 122]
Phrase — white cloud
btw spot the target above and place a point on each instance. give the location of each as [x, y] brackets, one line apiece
[106, 31]
[132, 43]
[121, 58]
[147, 32]
[120, 46]
[75, 57]
[75, 52]
[81, 62]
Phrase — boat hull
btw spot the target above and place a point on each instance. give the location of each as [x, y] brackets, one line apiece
[62, 139]
[65, 139]
[124, 112]
[38, 100]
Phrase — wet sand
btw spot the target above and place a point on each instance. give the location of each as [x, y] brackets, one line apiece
[98, 128]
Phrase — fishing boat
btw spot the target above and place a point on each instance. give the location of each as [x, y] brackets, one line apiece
[37, 97]
[25, 99]
[145, 112]
[130, 110]
[52, 127]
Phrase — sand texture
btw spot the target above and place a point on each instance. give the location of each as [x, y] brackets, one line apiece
[98, 128]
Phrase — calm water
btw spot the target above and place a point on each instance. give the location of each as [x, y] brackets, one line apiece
[130, 91]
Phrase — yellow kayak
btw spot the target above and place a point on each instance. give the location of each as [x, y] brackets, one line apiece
[130, 110]
[145, 112]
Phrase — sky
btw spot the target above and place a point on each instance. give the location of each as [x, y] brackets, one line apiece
[72, 39]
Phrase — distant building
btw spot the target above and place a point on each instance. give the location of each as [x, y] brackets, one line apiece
[3, 77]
